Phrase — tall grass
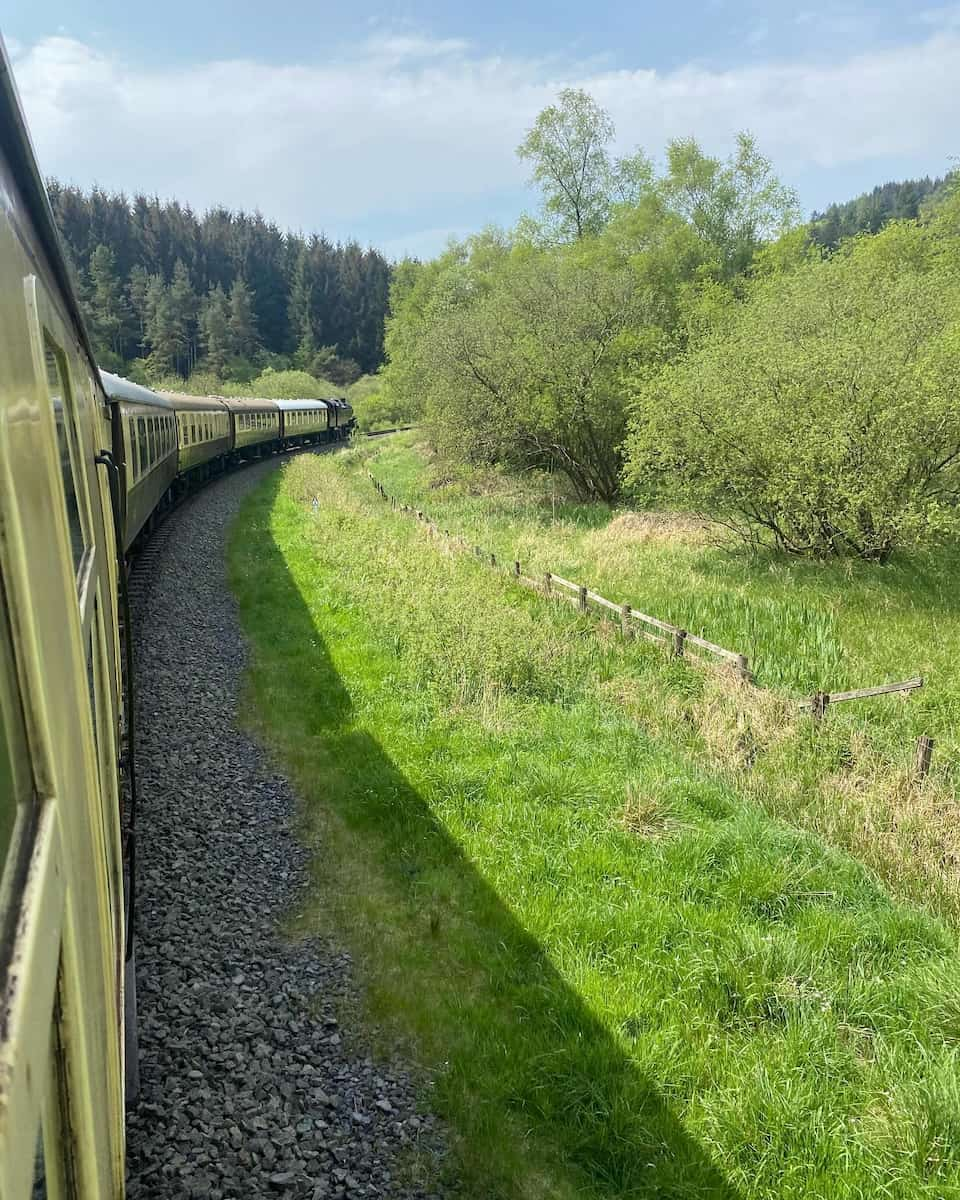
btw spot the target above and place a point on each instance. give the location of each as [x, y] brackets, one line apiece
[623, 976]
[804, 626]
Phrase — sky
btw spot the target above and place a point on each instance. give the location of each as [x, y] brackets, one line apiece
[397, 123]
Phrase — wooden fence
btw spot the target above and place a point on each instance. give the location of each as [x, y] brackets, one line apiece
[679, 642]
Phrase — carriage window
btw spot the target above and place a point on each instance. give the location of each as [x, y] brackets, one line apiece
[61, 401]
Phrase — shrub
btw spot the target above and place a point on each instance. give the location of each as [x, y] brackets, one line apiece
[822, 417]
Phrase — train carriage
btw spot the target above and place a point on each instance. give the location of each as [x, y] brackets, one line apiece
[255, 425]
[61, 875]
[304, 421]
[146, 450]
[203, 433]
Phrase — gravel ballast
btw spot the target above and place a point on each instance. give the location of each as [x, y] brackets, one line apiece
[248, 1084]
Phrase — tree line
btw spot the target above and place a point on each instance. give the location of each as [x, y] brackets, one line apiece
[869, 212]
[674, 335]
[167, 292]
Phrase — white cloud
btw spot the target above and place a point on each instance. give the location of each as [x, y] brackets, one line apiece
[408, 138]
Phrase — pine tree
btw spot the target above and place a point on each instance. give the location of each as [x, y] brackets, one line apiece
[185, 305]
[162, 337]
[300, 309]
[138, 287]
[108, 307]
[215, 329]
[244, 339]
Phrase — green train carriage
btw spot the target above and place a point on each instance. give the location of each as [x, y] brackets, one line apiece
[62, 911]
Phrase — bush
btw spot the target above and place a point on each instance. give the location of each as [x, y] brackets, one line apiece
[822, 417]
[376, 406]
[291, 385]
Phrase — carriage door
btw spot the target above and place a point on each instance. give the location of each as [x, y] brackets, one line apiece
[61, 1131]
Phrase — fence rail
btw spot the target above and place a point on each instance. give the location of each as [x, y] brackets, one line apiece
[682, 643]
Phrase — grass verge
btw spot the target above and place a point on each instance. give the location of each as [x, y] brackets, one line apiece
[623, 977]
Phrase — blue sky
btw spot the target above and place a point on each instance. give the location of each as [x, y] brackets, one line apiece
[396, 123]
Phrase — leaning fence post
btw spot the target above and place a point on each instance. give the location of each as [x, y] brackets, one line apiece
[819, 705]
[516, 568]
[924, 755]
[583, 598]
[625, 620]
[679, 637]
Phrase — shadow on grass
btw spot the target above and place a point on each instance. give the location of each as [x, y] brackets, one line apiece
[505, 1033]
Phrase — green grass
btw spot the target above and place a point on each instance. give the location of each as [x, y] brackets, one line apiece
[622, 976]
[803, 625]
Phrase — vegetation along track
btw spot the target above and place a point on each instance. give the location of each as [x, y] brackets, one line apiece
[626, 977]
[249, 1085]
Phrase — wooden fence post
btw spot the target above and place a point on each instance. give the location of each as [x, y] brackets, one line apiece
[583, 598]
[678, 639]
[516, 568]
[924, 755]
[819, 705]
[625, 620]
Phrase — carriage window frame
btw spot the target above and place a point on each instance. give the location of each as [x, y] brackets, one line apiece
[16, 772]
[67, 438]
